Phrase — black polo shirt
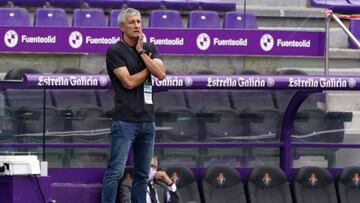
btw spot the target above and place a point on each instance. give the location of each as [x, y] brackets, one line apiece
[129, 104]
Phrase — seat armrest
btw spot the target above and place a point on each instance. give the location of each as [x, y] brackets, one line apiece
[252, 117]
[67, 113]
[343, 116]
[168, 116]
[26, 114]
[302, 116]
[209, 117]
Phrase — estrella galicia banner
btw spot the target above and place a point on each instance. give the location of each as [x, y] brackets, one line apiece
[269, 82]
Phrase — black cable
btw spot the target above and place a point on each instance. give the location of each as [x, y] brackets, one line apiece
[39, 188]
[245, 14]
[244, 58]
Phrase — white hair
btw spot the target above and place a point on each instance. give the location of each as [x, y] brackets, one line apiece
[125, 13]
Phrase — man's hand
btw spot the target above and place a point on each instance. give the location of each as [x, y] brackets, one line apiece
[155, 66]
[140, 42]
[163, 177]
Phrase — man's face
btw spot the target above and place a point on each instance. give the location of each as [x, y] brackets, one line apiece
[132, 26]
[153, 164]
[128, 177]
[153, 169]
[174, 176]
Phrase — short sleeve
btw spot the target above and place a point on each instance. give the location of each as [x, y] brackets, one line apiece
[114, 58]
[154, 51]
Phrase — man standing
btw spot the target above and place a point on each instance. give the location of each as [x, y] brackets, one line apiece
[130, 64]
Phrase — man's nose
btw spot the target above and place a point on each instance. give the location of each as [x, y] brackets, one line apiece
[137, 25]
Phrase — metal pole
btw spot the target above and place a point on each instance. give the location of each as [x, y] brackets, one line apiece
[245, 14]
[327, 42]
[244, 22]
[287, 125]
[346, 30]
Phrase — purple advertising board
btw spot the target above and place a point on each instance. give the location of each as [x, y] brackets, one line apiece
[168, 41]
[96, 81]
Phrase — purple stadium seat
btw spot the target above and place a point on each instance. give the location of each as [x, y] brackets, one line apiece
[314, 184]
[50, 17]
[217, 5]
[235, 19]
[144, 4]
[81, 109]
[89, 18]
[165, 19]
[204, 19]
[106, 3]
[339, 6]
[181, 4]
[328, 3]
[28, 2]
[113, 17]
[14, 17]
[66, 3]
[231, 190]
[27, 104]
[354, 27]
[348, 185]
[3, 2]
[354, 2]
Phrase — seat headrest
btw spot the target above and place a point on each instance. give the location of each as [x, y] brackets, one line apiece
[18, 73]
[313, 177]
[103, 71]
[291, 72]
[181, 176]
[350, 176]
[221, 176]
[267, 177]
[247, 72]
[202, 72]
[70, 71]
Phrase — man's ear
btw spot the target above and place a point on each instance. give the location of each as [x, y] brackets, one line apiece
[122, 27]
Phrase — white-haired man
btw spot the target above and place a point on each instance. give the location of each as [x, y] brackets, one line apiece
[130, 64]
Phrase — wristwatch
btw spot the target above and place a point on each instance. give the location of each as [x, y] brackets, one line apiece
[141, 51]
[172, 187]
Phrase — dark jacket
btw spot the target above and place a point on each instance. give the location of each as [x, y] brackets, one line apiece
[162, 192]
[124, 194]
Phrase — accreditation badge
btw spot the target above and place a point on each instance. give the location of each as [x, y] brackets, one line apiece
[148, 93]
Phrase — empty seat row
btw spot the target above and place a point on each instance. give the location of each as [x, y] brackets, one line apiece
[254, 107]
[66, 112]
[219, 5]
[197, 19]
[56, 17]
[340, 6]
[244, 115]
[266, 184]
[225, 115]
